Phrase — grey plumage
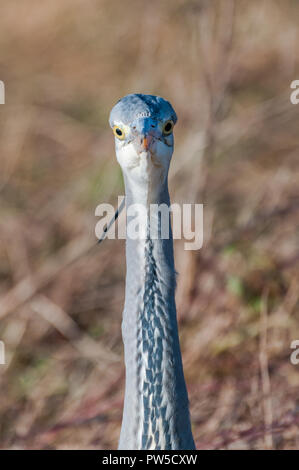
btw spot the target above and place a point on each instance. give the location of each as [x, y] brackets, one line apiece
[156, 412]
[133, 106]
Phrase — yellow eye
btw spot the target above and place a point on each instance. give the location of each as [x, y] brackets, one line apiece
[118, 132]
[168, 127]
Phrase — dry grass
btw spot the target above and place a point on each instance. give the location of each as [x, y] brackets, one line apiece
[226, 67]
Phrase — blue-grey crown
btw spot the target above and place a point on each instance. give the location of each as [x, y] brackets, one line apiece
[136, 106]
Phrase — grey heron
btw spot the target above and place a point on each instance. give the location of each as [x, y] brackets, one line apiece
[156, 409]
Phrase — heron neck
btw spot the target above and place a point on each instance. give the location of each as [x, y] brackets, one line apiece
[156, 414]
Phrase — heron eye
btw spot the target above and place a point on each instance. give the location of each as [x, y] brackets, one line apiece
[118, 132]
[167, 128]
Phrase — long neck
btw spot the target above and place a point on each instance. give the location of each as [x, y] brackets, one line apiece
[156, 414]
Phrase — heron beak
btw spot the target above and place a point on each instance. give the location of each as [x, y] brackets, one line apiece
[143, 134]
[146, 142]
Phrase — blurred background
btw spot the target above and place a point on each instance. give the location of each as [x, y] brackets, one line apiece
[226, 67]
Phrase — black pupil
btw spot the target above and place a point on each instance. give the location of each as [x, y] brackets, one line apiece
[119, 132]
[168, 127]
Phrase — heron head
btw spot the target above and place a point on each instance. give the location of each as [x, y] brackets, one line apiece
[143, 130]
